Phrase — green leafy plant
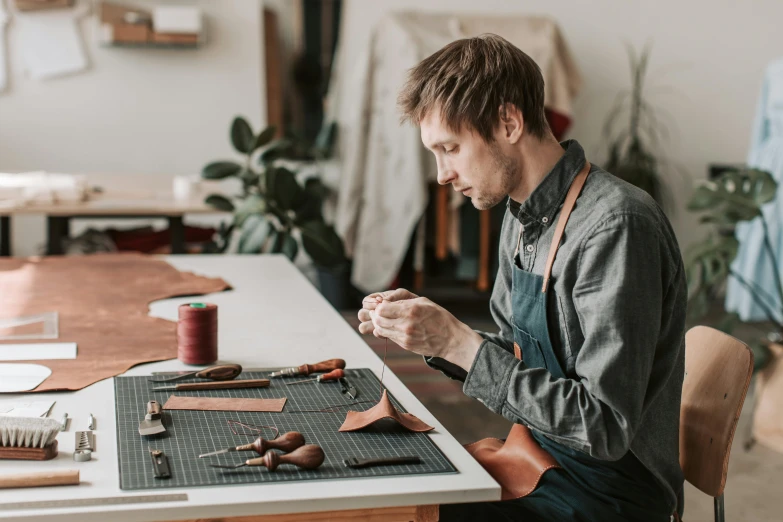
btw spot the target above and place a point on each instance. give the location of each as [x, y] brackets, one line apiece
[736, 195]
[273, 204]
[632, 144]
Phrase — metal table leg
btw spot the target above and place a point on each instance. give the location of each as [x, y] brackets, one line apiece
[177, 231]
[57, 228]
[5, 236]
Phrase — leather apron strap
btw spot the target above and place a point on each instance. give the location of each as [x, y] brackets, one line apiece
[568, 205]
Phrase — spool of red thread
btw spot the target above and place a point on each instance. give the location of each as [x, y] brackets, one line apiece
[197, 333]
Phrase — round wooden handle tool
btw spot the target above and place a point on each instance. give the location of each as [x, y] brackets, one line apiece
[46, 478]
[309, 456]
[323, 366]
[223, 372]
[286, 442]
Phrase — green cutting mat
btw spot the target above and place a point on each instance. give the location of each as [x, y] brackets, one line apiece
[190, 433]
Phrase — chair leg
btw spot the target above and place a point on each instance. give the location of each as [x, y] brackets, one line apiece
[720, 512]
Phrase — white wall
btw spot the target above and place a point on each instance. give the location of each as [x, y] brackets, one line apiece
[137, 117]
[708, 54]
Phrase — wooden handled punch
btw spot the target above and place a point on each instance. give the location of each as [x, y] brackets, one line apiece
[286, 442]
[309, 456]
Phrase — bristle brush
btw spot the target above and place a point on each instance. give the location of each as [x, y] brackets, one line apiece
[28, 438]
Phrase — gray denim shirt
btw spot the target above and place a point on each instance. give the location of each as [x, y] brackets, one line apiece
[616, 316]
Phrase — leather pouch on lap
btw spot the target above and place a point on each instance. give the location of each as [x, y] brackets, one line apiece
[518, 464]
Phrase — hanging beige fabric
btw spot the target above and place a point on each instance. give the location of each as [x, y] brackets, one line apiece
[102, 302]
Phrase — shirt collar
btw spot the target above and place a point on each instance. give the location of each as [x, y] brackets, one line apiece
[545, 200]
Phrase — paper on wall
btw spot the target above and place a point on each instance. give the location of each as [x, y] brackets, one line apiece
[37, 351]
[50, 42]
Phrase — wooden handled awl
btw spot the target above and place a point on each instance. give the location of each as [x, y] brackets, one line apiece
[286, 442]
[307, 369]
[44, 478]
[309, 456]
[334, 375]
[224, 385]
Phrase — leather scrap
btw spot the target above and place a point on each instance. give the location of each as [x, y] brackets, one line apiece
[103, 305]
[178, 402]
[356, 420]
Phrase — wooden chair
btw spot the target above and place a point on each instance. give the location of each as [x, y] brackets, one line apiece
[718, 369]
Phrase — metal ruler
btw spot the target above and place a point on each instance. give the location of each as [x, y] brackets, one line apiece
[81, 502]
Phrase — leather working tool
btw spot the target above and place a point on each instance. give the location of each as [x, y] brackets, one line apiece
[223, 372]
[334, 375]
[348, 389]
[309, 456]
[307, 369]
[286, 443]
[356, 463]
[152, 423]
[225, 385]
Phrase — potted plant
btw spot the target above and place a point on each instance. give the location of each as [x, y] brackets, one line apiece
[631, 143]
[738, 194]
[275, 211]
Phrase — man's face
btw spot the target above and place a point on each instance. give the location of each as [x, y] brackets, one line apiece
[474, 167]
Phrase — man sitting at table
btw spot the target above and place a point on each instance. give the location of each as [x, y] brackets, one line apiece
[601, 338]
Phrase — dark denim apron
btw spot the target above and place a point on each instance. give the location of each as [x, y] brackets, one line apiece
[586, 488]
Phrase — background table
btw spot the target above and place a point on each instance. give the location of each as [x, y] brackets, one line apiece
[111, 205]
[273, 317]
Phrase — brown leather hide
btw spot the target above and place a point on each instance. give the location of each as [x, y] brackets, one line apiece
[102, 301]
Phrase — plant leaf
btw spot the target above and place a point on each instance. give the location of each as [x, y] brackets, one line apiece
[289, 247]
[252, 204]
[255, 231]
[242, 135]
[277, 149]
[283, 188]
[322, 243]
[264, 137]
[219, 202]
[220, 170]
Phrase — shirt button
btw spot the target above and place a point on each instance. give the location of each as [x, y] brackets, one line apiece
[530, 248]
[545, 220]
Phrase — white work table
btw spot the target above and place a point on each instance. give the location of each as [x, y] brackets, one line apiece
[273, 317]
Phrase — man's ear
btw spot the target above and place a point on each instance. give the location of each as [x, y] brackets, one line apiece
[512, 124]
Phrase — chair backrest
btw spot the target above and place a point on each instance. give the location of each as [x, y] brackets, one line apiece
[718, 369]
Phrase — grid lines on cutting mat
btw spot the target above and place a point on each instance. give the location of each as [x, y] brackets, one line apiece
[190, 433]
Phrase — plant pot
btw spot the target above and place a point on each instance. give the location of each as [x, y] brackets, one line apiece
[335, 286]
[768, 416]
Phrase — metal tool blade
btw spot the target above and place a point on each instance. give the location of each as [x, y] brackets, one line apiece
[228, 467]
[219, 452]
[175, 378]
[151, 427]
[164, 388]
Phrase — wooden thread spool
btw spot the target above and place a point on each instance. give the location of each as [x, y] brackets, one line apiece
[309, 456]
[197, 333]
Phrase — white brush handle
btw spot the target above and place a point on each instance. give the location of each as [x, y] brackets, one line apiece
[69, 477]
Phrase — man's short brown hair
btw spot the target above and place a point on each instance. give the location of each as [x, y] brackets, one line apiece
[468, 80]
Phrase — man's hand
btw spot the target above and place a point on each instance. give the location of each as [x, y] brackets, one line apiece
[419, 325]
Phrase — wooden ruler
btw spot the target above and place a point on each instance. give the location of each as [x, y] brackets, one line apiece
[81, 502]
